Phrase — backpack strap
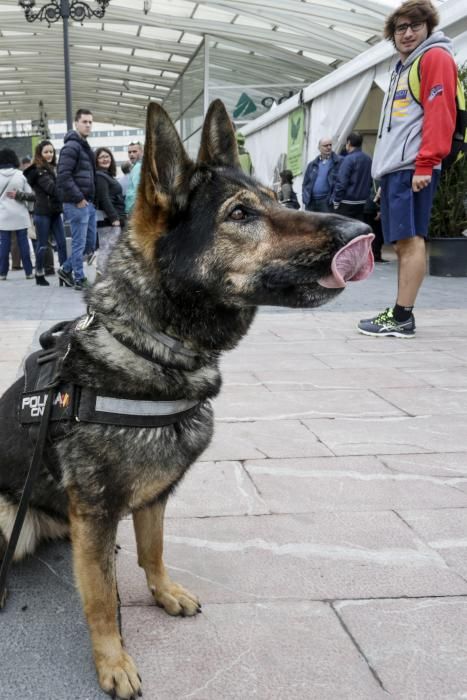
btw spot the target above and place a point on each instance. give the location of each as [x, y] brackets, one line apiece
[415, 78]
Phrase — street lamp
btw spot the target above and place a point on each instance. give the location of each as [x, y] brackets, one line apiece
[64, 9]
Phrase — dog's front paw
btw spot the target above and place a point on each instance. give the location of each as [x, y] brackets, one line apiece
[175, 599]
[119, 676]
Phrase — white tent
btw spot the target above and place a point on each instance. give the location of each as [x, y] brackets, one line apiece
[333, 104]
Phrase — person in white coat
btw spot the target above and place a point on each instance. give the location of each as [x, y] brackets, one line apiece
[14, 215]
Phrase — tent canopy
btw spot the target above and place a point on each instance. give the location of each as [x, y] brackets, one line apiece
[139, 50]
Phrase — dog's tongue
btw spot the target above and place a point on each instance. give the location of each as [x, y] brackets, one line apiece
[351, 263]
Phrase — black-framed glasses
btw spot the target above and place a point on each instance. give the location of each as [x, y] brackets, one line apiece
[413, 26]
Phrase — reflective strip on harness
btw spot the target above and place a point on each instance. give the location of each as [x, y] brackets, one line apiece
[142, 408]
[133, 413]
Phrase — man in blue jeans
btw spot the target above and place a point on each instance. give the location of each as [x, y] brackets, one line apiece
[76, 178]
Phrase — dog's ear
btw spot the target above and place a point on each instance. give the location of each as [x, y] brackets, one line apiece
[164, 183]
[166, 167]
[218, 142]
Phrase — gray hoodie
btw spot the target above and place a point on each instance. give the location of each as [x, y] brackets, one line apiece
[14, 215]
[400, 128]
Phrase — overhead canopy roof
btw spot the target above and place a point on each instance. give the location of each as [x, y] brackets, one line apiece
[121, 61]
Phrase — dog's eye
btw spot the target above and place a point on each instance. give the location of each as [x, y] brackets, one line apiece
[238, 214]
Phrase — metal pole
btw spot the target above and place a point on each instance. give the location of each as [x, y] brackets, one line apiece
[65, 13]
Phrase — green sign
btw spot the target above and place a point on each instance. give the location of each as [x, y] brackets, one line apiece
[34, 141]
[244, 106]
[295, 141]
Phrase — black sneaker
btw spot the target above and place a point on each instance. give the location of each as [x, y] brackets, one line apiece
[385, 324]
[66, 277]
[79, 285]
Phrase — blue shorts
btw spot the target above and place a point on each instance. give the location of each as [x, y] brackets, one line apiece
[405, 213]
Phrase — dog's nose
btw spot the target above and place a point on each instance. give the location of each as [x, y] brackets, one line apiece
[348, 229]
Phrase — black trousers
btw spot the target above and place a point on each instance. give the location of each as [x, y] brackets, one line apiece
[353, 211]
[318, 205]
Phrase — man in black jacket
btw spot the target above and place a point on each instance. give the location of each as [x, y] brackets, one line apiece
[353, 183]
[76, 181]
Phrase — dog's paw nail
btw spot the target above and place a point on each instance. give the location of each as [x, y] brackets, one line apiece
[140, 680]
[199, 609]
[140, 693]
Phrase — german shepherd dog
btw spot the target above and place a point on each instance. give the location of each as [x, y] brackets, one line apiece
[206, 245]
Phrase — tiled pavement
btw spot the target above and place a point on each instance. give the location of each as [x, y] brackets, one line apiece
[325, 528]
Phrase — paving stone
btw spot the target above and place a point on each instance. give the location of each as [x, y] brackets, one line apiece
[272, 361]
[241, 393]
[259, 404]
[386, 358]
[304, 323]
[317, 556]
[8, 374]
[239, 379]
[445, 531]
[425, 343]
[13, 354]
[448, 464]
[349, 483]
[442, 377]
[366, 378]
[266, 651]
[216, 488]
[418, 648]
[427, 400]
[274, 438]
[16, 339]
[392, 435]
[305, 345]
[44, 641]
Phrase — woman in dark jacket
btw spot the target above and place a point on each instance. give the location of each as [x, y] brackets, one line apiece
[287, 195]
[110, 205]
[48, 207]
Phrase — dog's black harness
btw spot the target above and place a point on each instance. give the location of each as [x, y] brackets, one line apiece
[55, 405]
[71, 402]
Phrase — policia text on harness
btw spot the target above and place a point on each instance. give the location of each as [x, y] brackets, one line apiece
[49, 407]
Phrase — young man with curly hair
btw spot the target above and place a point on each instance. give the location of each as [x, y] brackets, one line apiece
[413, 138]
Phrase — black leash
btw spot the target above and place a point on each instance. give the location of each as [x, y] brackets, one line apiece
[34, 468]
